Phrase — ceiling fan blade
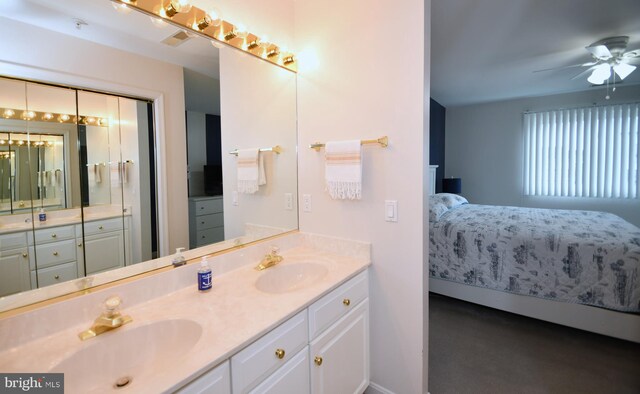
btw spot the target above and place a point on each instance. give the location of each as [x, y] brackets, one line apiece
[583, 73]
[565, 67]
[599, 51]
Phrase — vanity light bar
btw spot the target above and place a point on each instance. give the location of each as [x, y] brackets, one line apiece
[38, 116]
[198, 22]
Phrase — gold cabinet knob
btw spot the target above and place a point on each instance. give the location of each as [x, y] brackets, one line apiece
[100, 227]
[346, 302]
[280, 353]
[318, 360]
[53, 235]
[55, 253]
[25, 255]
[56, 277]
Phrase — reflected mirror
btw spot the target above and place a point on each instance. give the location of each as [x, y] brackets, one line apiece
[97, 154]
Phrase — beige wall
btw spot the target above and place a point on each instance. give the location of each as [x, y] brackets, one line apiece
[39, 54]
[368, 82]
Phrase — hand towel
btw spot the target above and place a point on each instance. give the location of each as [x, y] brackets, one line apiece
[343, 169]
[249, 176]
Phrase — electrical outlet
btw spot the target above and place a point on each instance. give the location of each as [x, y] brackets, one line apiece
[306, 202]
[288, 201]
[234, 198]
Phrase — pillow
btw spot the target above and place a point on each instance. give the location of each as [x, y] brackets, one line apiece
[440, 203]
[448, 199]
[436, 210]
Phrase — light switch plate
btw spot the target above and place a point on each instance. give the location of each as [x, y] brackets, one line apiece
[306, 202]
[234, 198]
[288, 201]
[391, 210]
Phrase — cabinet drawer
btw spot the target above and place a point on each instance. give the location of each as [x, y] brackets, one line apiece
[55, 253]
[206, 207]
[205, 237]
[258, 360]
[57, 274]
[53, 234]
[291, 378]
[216, 381]
[334, 305]
[204, 222]
[13, 241]
[103, 226]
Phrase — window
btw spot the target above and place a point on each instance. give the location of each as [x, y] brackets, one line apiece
[582, 152]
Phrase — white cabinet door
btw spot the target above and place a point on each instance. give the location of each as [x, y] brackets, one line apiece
[340, 356]
[15, 275]
[216, 381]
[104, 252]
[291, 378]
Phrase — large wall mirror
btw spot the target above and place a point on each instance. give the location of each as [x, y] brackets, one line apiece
[88, 156]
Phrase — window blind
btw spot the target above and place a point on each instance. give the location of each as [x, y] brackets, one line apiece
[582, 152]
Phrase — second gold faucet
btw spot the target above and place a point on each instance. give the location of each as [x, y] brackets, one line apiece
[270, 259]
[110, 319]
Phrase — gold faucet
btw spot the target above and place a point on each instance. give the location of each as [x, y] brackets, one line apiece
[110, 319]
[270, 259]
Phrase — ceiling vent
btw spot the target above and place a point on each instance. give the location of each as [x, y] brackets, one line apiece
[177, 38]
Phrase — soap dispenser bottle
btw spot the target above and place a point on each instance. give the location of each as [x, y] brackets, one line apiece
[178, 258]
[204, 275]
[42, 216]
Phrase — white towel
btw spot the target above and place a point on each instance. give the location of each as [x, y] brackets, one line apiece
[343, 169]
[250, 170]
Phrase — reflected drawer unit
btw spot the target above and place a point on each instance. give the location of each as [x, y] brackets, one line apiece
[206, 221]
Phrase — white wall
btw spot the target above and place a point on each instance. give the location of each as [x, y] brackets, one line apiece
[364, 78]
[201, 93]
[484, 147]
[258, 103]
[40, 54]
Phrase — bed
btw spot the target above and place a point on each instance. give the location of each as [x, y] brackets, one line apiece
[578, 268]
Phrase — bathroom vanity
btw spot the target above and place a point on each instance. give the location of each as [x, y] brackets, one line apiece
[301, 326]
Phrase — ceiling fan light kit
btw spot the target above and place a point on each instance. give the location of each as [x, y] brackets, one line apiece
[610, 58]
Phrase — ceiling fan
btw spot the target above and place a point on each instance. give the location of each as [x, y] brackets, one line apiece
[609, 58]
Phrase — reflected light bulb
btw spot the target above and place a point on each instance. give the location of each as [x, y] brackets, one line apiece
[47, 116]
[122, 8]
[8, 113]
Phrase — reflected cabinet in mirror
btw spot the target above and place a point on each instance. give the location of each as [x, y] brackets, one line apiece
[122, 139]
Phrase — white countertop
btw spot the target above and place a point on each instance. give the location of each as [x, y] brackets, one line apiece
[233, 314]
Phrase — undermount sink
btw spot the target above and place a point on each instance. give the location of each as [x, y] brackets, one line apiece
[124, 358]
[290, 277]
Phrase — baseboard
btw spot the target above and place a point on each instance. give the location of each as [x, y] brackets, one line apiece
[377, 389]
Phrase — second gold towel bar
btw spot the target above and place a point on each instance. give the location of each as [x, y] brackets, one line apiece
[383, 141]
[276, 149]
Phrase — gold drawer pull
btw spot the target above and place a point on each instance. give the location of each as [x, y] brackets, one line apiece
[55, 253]
[25, 255]
[100, 228]
[346, 302]
[56, 277]
[318, 360]
[53, 235]
[280, 353]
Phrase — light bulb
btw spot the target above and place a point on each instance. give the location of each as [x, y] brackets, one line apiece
[623, 70]
[264, 42]
[8, 113]
[241, 31]
[216, 16]
[64, 118]
[600, 74]
[185, 6]
[47, 116]
[28, 115]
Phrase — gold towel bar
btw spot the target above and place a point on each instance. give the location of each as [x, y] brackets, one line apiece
[383, 141]
[276, 149]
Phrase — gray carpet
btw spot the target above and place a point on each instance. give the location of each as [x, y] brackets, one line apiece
[474, 349]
